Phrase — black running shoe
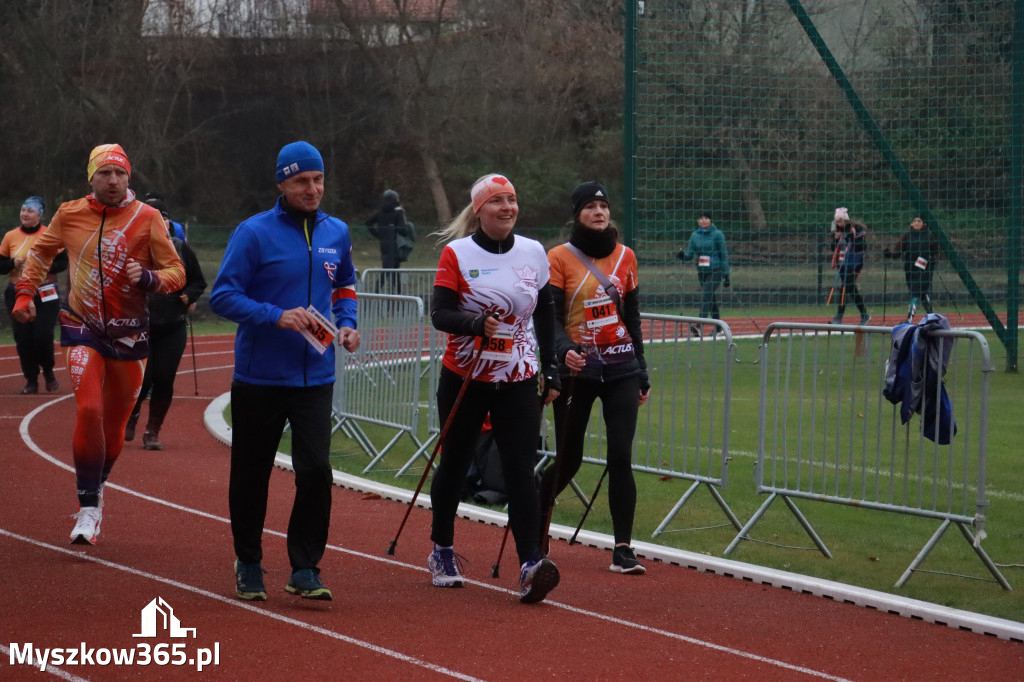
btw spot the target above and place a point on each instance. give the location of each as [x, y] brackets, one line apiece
[624, 561]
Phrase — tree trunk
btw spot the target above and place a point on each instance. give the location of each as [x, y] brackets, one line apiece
[433, 176]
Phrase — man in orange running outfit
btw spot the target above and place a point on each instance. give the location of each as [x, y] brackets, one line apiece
[118, 251]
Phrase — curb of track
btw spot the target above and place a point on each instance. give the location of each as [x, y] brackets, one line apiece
[835, 591]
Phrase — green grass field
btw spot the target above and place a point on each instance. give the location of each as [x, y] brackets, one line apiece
[870, 548]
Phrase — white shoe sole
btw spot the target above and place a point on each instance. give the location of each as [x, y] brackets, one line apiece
[442, 580]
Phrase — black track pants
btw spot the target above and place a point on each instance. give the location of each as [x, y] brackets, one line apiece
[515, 418]
[620, 403]
[258, 415]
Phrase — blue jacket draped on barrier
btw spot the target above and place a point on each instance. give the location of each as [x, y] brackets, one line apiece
[916, 365]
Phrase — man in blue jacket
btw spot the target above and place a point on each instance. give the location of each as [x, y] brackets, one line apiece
[278, 267]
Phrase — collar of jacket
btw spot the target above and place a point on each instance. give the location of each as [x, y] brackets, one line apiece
[491, 245]
[285, 212]
[99, 207]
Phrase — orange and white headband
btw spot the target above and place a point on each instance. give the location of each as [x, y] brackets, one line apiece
[487, 186]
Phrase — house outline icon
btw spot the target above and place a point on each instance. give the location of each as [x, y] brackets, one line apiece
[170, 622]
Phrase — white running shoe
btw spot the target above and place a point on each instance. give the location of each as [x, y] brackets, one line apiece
[443, 563]
[87, 527]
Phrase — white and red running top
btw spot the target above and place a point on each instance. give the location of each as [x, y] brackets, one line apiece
[505, 284]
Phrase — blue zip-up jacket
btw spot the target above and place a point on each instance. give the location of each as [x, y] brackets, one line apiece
[916, 365]
[271, 266]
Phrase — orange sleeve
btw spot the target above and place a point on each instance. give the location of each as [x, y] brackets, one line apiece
[165, 262]
[557, 272]
[40, 257]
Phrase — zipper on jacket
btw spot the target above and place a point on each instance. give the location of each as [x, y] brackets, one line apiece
[103, 292]
[309, 292]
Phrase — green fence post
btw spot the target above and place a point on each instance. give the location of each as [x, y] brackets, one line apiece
[1013, 231]
[633, 7]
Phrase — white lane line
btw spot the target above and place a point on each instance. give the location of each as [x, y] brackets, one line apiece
[24, 428]
[405, 658]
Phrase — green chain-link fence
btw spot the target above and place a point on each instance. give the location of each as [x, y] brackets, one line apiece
[770, 114]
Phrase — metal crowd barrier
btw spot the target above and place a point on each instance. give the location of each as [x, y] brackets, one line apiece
[380, 382]
[418, 282]
[826, 432]
[682, 433]
[400, 282]
[683, 430]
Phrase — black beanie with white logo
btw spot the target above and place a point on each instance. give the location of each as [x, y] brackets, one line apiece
[585, 193]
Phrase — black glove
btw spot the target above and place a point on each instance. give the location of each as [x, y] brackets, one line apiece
[681, 255]
[645, 381]
[552, 382]
[725, 281]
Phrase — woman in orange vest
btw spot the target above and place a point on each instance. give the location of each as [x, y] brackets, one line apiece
[34, 340]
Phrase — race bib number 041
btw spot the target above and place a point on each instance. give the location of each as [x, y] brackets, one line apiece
[600, 312]
[323, 334]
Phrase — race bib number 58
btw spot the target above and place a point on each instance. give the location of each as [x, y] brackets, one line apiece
[498, 347]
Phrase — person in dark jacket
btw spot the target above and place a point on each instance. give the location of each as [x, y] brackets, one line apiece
[917, 249]
[156, 200]
[282, 270]
[33, 340]
[707, 246]
[168, 334]
[848, 259]
[600, 344]
[388, 225]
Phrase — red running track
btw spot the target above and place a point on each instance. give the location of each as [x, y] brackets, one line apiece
[165, 534]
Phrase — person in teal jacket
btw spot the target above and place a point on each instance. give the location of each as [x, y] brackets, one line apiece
[707, 246]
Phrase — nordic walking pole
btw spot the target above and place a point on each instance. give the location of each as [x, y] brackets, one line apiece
[546, 512]
[192, 336]
[736, 298]
[504, 539]
[587, 510]
[950, 294]
[831, 291]
[437, 446]
[559, 464]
